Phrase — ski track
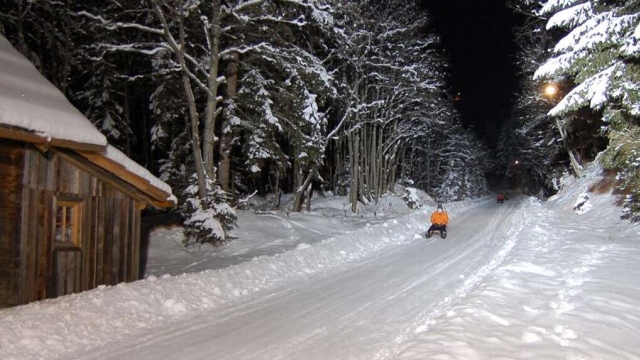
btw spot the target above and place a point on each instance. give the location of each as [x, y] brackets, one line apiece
[566, 315]
[492, 233]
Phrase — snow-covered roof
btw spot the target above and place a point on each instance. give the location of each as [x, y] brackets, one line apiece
[29, 101]
[117, 156]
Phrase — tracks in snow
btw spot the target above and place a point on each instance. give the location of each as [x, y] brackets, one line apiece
[372, 309]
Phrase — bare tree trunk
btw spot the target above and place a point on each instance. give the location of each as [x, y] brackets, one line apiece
[127, 117]
[575, 165]
[211, 111]
[146, 147]
[309, 194]
[195, 140]
[277, 193]
[193, 112]
[337, 167]
[224, 166]
[66, 71]
[352, 176]
[356, 173]
[297, 170]
[297, 201]
[299, 182]
[379, 160]
[365, 181]
[392, 162]
[363, 170]
[20, 25]
[375, 180]
[429, 171]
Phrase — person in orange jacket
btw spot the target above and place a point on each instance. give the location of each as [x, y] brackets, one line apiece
[439, 220]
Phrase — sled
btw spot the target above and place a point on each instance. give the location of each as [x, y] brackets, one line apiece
[500, 199]
[443, 233]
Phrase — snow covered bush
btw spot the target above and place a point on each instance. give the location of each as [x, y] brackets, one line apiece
[208, 220]
[411, 198]
[582, 204]
[560, 178]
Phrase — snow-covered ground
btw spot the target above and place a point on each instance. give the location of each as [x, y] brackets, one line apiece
[519, 280]
[263, 232]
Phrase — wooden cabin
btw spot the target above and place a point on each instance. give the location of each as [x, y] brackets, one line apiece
[69, 202]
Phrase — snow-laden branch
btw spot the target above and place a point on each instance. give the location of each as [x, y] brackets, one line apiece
[571, 17]
[299, 22]
[134, 48]
[246, 48]
[245, 5]
[177, 49]
[110, 25]
[593, 91]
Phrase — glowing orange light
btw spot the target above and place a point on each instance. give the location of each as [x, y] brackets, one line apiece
[551, 90]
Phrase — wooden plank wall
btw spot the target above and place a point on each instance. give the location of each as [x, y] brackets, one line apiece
[11, 164]
[109, 247]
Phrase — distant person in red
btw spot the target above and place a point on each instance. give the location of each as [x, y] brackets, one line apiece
[439, 220]
[500, 198]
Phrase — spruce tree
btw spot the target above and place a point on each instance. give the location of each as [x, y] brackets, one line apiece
[600, 53]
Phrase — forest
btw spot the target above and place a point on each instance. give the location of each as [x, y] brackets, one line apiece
[227, 99]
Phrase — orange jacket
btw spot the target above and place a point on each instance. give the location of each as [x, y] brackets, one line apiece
[439, 218]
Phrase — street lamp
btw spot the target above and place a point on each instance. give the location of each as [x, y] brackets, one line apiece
[551, 90]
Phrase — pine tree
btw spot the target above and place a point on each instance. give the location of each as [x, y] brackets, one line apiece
[599, 53]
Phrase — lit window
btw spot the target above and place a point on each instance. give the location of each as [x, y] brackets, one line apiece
[67, 223]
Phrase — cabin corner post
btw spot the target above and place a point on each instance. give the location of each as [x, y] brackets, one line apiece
[136, 213]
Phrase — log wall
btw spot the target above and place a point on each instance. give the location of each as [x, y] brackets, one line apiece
[11, 162]
[108, 249]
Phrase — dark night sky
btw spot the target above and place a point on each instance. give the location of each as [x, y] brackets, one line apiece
[477, 35]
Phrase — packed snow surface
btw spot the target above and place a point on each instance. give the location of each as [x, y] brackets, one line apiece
[518, 280]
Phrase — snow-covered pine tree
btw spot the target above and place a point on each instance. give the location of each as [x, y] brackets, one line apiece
[600, 53]
[283, 86]
[462, 168]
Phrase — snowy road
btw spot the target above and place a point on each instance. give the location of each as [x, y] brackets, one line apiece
[366, 312]
[520, 280]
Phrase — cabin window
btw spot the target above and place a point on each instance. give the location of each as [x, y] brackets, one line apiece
[67, 231]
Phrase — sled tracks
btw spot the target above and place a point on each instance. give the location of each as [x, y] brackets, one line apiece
[504, 227]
